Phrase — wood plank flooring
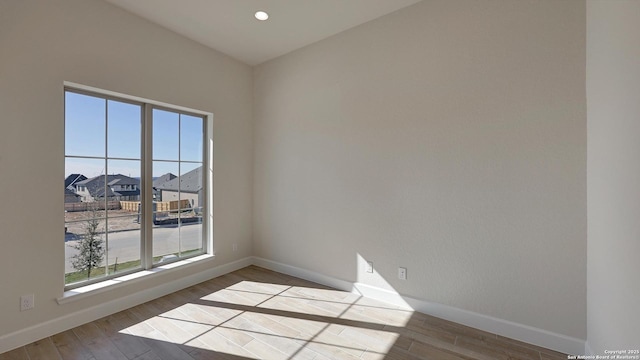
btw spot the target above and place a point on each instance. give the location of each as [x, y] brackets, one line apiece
[255, 313]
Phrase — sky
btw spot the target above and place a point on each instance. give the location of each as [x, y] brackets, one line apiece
[177, 138]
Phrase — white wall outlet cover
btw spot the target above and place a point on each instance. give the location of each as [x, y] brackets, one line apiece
[402, 273]
[369, 267]
[27, 302]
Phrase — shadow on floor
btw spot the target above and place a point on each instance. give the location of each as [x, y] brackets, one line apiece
[255, 313]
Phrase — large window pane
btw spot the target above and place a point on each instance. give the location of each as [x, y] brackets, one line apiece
[166, 127]
[128, 168]
[178, 211]
[85, 182]
[191, 138]
[124, 243]
[191, 186]
[85, 245]
[165, 180]
[84, 218]
[124, 187]
[166, 211]
[191, 235]
[191, 200]
[84, 125]
[187, 167]
[191, 183]
[104, 178]
[166, 242]
[90, 168]
[124, 127]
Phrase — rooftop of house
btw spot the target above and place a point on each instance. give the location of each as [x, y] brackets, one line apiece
[72, 179]
[163, 179]
[96, 185]
[190, 182]
[68, 192]
[118, 179]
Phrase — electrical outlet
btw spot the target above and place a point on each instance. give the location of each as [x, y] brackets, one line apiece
[369, 267]
[27, 302]
[235, 247]
[402, 273]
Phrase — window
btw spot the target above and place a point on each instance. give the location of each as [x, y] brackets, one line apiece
[143, 200]
[177, 149]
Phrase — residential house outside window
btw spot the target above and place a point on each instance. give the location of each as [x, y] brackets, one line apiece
[115, 150]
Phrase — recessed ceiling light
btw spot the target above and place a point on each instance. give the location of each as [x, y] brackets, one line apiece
[261, 15]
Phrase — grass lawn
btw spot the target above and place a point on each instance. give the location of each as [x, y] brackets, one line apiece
[78, 276]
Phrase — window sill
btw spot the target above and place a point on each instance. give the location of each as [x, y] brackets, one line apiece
[107, 285]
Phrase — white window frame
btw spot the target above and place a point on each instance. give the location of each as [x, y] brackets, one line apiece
[146, 177]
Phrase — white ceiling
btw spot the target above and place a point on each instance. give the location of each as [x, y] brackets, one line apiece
[230, 27]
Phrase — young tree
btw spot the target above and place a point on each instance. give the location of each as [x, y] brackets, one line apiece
[91, 246]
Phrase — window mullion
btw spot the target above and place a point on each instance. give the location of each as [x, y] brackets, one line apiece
[106, 183]
[207, 164]
[179, 186]
[146, 248]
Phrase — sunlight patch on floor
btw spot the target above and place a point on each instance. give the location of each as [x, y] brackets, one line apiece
[271, 321]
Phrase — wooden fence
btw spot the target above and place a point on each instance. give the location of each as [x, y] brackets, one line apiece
[86, 206]
[173, 205]
[132, 206]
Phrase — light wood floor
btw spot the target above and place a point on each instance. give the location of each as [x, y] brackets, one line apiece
[255, 313]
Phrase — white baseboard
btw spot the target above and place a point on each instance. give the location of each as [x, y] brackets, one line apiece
[525, 333]
[501, 327]
[34, 333]
[303, 274]
[587, 349]
[380, 294]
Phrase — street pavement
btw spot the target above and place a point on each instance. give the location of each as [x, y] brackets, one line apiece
[125, 245]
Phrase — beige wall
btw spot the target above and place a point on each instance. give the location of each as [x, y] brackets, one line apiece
[448, 138]
[42, 44]
[613, 93]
